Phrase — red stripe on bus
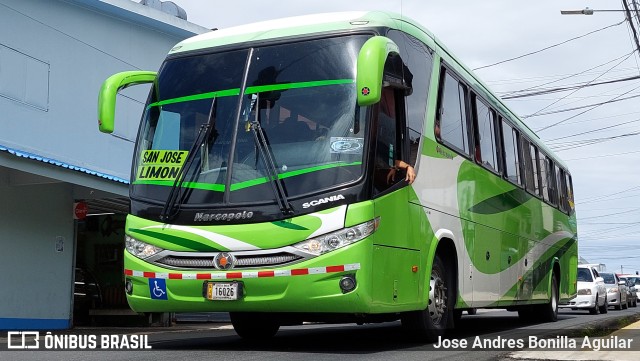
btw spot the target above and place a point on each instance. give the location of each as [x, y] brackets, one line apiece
[149, 274]
[266, 274]
[128, 272]
[175, 276]
[335, 269]
[203, 276]
[234, 275]
[300, 272]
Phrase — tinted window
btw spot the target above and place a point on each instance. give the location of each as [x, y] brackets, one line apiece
[544, 176]
[535, 165]
[485, 123]
[528, 166]
[609, 278]
[418, 66]
[511, 159]
[584, 275]
[453, 120]
[551, 182]
[562, 189]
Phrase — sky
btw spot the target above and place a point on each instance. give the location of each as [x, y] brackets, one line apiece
[604, 163]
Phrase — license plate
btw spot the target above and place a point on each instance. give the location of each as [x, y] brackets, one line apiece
[222, 291]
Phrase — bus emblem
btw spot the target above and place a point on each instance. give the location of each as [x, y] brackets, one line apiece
[224, 261]
[366, 91]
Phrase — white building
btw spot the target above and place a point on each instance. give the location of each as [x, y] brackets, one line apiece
[54, 55]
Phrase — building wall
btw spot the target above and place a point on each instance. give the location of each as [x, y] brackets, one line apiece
[54, 56]
[36, 279]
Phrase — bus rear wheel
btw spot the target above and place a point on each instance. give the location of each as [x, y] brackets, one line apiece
[254, 325]
[550, 310]
[437, 317]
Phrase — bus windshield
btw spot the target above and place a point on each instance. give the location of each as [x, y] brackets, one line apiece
[301, 94]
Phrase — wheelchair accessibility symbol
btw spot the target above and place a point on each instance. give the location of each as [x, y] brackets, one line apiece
[158, 288]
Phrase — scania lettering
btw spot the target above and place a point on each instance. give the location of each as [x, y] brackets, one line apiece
[312, 123]
[322, 201]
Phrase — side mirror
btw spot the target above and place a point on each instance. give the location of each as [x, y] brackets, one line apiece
[371, 60]
[599, 279]
[622, 283]
[109, 91]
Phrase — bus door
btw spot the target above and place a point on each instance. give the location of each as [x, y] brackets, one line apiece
[395, 250]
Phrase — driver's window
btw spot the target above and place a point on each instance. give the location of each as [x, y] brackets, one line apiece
[388, 140]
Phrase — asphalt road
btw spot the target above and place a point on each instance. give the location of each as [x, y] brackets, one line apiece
[214, 341]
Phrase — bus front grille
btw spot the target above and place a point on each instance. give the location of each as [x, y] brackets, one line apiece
[242, 261]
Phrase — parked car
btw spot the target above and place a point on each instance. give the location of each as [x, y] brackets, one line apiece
[616, 290]
[632, 294]
[592, 293]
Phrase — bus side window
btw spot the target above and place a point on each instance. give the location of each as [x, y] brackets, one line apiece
[485, 124]
[551, 180]
[510, 139]
[528, 165]
[536, 169]
[451, 125]
[562, 189]
[569, 185]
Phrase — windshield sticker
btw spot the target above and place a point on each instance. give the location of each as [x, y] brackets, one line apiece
[347, 145]
[161, 164]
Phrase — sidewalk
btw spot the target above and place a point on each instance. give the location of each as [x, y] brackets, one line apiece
[618, 340]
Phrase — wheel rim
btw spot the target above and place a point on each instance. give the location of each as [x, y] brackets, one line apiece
[437, 298]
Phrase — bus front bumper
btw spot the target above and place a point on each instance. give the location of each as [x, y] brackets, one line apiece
[309, 286]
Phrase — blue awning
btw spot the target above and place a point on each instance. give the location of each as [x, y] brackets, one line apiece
[22, 154]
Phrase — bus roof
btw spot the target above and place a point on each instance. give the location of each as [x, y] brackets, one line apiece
[349, 21]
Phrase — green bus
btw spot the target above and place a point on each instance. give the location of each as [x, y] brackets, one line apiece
[338, 168]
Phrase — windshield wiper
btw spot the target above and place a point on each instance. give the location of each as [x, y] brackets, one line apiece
[262, 148]
[204, 132]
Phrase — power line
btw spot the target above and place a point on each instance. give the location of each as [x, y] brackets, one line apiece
[567, 88]
[578, 87]
[549, 47]
[593, 199]
[630, 19]
[603, 156]
[613, 100]
[590, 109]
[594, 130]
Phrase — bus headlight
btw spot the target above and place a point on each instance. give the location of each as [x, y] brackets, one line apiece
[338, 239]
[140, 249]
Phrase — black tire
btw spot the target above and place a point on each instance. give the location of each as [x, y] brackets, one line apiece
[527, 313]
[635, 303]
[549, 311]
[472, 311]
[457, 316]
[596, 309]
[439, 315]
[254, 325]
[605, 306]
[618, 307]
[625, 305]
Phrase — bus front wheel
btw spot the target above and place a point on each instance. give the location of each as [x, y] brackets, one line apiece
[254, 325]
[436, 318]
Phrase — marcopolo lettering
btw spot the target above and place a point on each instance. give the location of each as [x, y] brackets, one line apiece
[322, 201]
[207, 217]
